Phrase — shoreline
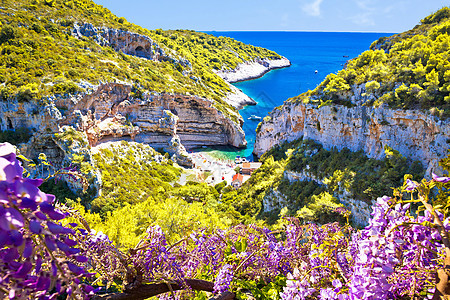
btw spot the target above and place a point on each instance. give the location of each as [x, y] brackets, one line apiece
[208, 169]
[253, 70]
[262, 75]
[237, 98]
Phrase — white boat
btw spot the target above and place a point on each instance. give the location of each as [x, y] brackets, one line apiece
[254, 117]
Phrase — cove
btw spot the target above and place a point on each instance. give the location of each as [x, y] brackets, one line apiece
[324, 52]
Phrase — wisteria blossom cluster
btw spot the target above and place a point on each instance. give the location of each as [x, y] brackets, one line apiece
[248, 253]
[39, 258]
[395, 256]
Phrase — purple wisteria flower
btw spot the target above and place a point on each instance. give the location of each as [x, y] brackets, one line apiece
[223, 279]
[411, 185]
[440, 179]
[34, 255]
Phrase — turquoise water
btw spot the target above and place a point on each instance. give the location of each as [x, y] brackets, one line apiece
[326, 52]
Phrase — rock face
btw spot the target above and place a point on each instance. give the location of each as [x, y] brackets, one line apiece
[415, 134]
[167, 121]
[253, 69]
[360, 210]
[110, 114]
[60, 153]
[127, 42]
[15, 114]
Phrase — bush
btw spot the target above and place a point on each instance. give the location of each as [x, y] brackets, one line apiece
[7, 33]
[17, 136]
[28, 92]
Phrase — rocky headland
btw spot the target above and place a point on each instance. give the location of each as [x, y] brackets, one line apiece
[111, 111]
[253, 69]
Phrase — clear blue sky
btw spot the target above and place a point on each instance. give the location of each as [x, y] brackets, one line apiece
[297, 15]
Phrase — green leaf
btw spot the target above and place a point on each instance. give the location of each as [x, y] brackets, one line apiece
[20, 156]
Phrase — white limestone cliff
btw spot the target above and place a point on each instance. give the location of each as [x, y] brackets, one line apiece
[416, 134]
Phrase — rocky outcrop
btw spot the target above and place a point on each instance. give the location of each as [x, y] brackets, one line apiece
[127, 42]
[175, 148]
[238, 99]
[253, 69]
[109, 113]
[32, 115]
[64, 148]
[360, 210]
[415, 134]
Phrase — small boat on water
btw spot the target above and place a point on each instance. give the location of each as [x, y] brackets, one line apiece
[254, 117]
[239, 159]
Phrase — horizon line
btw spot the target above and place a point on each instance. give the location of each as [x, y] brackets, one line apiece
[296, 31]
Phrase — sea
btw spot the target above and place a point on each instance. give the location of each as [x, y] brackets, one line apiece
[313, 55]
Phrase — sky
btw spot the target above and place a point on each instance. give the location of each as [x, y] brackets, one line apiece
[282, 15]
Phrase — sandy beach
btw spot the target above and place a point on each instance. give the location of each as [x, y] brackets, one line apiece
[209, 169]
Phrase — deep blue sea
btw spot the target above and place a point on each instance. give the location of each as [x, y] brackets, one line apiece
[325, 52]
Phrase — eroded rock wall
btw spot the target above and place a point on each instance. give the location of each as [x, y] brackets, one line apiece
[127, 42]
[109, 112]
[415, 134]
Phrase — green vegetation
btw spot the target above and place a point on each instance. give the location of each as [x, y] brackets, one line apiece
[361, 177]
[410, 70]
[365, 178]
[247, 201]
[40, 57]
[15, 137]
[130, 175]
[139, 190]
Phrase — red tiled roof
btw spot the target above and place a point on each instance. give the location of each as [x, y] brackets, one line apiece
[238, 177]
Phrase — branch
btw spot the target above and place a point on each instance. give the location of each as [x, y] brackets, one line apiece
[149, 290]
[442, 277]
[225, 296]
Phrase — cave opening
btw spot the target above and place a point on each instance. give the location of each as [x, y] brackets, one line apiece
[9, 124]
[140, 52]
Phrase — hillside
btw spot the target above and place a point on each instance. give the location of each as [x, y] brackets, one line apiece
[406, 71]
[39, 41]
[394, 95]
[338, 208]
[74, 63]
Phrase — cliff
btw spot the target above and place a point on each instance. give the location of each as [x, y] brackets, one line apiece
[394, 95]
[110, 113]
[127, 42]
[415, 134]
[70, 53]
[253, 69]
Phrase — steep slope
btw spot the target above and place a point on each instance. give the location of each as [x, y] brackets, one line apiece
[66, 61]
[396, 97]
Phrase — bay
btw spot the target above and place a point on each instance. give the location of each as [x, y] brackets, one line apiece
[326, 52]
